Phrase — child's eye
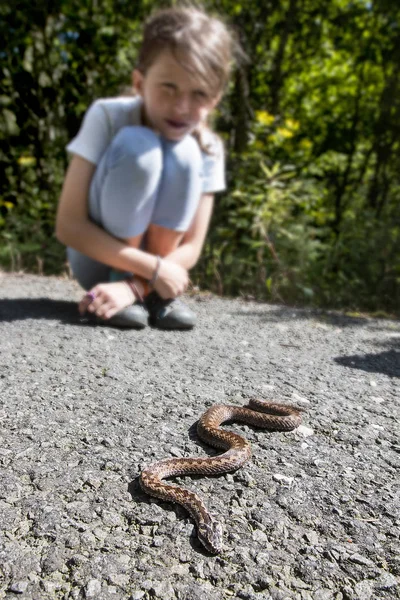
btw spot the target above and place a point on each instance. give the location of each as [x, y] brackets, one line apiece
[200, 95]
[169, 86]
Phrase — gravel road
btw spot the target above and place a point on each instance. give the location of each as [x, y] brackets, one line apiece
[313, 516]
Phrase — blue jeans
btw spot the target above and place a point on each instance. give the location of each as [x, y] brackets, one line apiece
[141, 179]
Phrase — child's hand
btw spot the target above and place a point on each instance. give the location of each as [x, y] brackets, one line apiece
[106, 299]
[172, 279]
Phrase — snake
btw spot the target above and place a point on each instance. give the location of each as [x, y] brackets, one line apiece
[258, 413]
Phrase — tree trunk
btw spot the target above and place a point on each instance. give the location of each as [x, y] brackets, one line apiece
[241, 111]
[277, 69]
[386, 128]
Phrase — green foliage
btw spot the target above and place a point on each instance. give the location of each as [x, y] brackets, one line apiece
[312, 129]
[270, 244]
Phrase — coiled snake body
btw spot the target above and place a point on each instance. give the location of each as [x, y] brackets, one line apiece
[267, 415]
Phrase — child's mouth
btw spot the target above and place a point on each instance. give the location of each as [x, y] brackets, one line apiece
[178, 125]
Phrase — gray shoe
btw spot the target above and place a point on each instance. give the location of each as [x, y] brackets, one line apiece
[134, 317]
[169, 314]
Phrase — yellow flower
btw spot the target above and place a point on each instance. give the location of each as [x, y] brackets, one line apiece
[27, 161]
[292, 124]
[285, 133]
[305, 144]
[264, 117]
[259, 145]
[8, 205]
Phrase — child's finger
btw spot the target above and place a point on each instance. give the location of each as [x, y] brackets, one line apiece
[105, 308]
[83, 304]
[87, 299]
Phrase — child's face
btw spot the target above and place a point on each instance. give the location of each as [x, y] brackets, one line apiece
[175, 101]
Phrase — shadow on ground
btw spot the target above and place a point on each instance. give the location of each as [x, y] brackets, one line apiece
[387, 362]
[39, 308]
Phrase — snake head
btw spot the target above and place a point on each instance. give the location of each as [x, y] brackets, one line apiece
[210, 535]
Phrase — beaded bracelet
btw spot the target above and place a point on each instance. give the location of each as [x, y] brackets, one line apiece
[156, 271]
[134, 289]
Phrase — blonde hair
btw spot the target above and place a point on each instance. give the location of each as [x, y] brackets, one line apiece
[201, 44]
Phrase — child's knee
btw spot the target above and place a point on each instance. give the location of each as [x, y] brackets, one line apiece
[186, 156]
[137, 146]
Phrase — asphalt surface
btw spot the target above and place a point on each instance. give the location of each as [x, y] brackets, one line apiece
[314, 515]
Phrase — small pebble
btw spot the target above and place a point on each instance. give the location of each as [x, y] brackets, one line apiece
[93, 588]
[305, 431]
[137, 595]
[361, 560]
[18, 587]
[377, 399]
[260, 536]
[297, 398]
[283, 479]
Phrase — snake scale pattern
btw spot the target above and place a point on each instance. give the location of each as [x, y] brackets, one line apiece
[266, 415]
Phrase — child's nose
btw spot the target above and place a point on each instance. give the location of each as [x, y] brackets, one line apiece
[182, 103]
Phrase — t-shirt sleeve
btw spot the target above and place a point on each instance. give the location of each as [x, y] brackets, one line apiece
[214, 168]
[94, 135]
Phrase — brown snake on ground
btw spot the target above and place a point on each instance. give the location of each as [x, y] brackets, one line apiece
[267, 415]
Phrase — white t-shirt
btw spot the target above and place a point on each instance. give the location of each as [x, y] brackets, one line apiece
[108, 115]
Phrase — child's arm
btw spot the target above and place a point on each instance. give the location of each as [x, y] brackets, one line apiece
[188, 253]
[75, 229]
